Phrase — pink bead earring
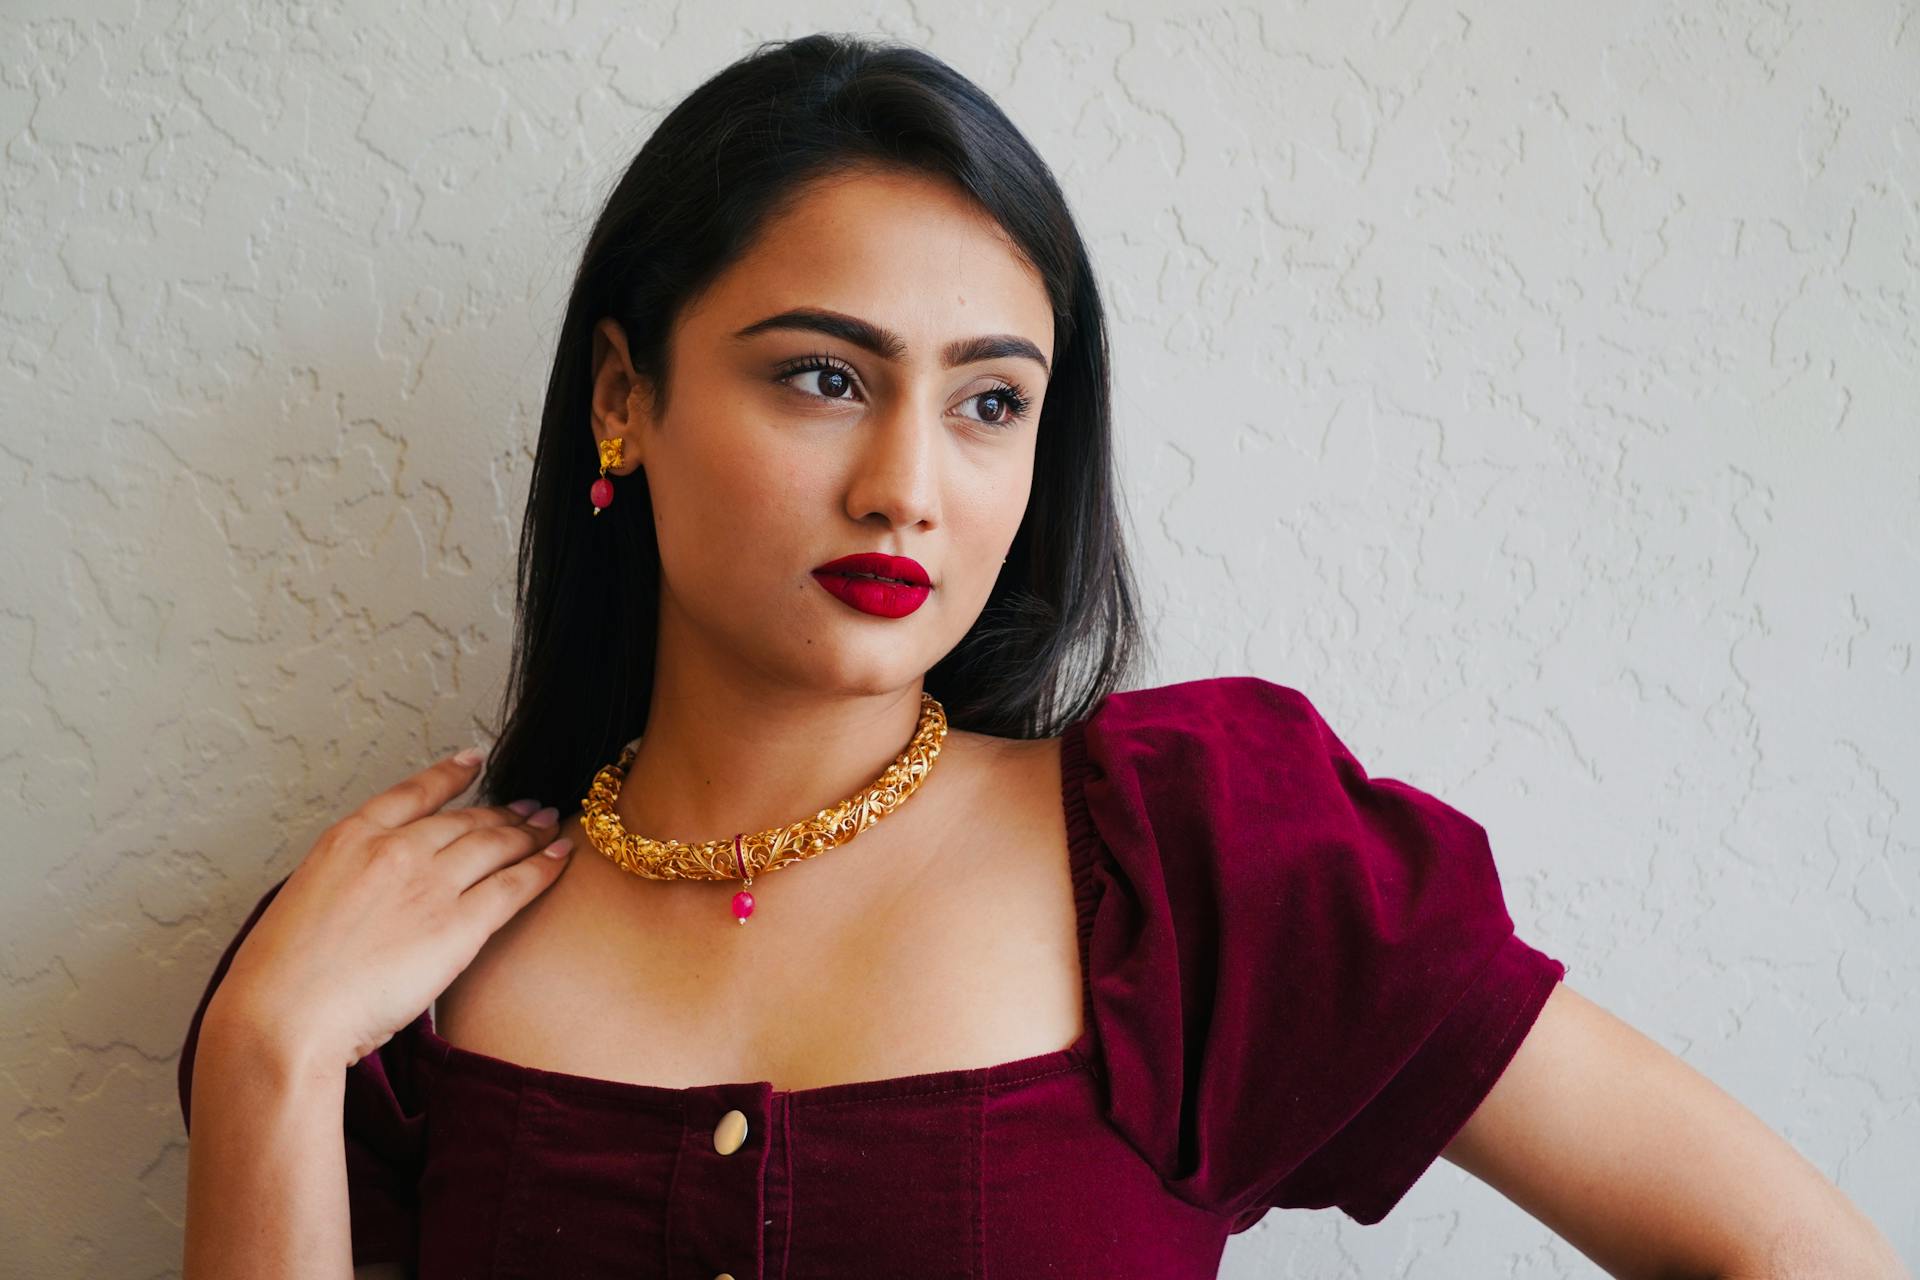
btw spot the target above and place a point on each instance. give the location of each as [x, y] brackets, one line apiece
[602, 491]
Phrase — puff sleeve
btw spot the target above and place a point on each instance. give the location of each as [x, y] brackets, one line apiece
[1304, 979]
[382, 1119]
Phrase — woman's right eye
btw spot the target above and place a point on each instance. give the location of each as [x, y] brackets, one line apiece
[831, 379]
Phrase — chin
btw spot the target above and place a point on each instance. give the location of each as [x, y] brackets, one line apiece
[870, 669]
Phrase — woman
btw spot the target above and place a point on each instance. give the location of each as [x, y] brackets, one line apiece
[822, 577]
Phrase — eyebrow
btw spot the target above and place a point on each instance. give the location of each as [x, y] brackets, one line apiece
[888, 345]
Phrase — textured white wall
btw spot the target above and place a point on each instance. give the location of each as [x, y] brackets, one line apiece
[1533, 386]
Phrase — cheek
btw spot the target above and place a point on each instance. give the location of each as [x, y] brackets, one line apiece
[981, 522]
[996, 502]
[723, 503]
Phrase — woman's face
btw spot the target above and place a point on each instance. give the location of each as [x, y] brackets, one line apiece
[789, 443]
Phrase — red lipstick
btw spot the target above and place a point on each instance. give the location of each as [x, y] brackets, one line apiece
[872, 582]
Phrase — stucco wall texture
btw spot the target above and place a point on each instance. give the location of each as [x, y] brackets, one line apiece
[1532, 385]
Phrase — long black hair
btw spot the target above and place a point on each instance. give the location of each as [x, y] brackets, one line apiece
[1060, 628]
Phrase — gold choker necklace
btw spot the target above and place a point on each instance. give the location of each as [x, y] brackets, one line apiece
[744, 855]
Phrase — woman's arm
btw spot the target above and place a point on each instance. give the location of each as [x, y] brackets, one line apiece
[1649, 1168]
[266, 1159]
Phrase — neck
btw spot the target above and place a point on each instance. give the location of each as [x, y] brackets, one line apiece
[721, 755]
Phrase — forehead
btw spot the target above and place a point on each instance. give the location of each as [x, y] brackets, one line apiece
[909, 252]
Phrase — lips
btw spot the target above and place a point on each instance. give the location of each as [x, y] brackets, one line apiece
[874, 564]
[874, 583]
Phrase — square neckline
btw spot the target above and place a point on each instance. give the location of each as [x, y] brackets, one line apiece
[1077, 1056]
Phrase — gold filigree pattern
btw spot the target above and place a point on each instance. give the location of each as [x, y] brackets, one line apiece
[766, 850]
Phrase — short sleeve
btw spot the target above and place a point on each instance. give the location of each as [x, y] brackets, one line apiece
[1303, 979]
[383, 1121]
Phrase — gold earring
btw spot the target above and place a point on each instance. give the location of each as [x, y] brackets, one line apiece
[602, 491]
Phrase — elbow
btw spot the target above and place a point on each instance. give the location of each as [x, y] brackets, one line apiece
[1844, 1243]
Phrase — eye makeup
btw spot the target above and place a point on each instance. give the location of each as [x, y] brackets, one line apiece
[1009, 394]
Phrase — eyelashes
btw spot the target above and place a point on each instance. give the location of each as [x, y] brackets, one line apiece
[1011, 394]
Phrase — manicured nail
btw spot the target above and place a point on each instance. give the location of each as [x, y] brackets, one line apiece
[524, 807]
[546, 817]
[559, 848]
[472, 755]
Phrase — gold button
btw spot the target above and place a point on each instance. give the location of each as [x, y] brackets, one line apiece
[723, 1276]
[730, 1134]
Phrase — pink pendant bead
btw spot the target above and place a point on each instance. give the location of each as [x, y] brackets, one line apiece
[602, 492]
[742, 905]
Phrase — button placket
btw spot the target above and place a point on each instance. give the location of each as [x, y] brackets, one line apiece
[718, 1206]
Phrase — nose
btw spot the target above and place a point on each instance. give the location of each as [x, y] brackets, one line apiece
[896, 473]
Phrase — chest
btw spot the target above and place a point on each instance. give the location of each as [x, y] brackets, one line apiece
[944, 942]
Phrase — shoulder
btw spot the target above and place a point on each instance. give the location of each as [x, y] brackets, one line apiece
[1216, 715]
[1234, 747]
[996, 766]
[1231, 797]
[1186, 697]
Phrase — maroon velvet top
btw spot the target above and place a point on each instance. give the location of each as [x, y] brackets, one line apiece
[1298, 982]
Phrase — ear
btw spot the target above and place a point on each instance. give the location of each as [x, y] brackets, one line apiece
[622, 400]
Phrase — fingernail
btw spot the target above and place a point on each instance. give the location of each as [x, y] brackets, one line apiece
[472, 755]
[524, 807]
[559, 848]
[546, 817]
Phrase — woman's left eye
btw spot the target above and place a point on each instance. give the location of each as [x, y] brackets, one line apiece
[1012, 403]
[836, 381]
